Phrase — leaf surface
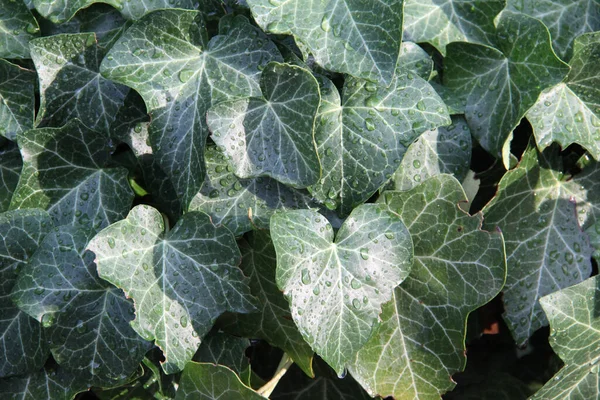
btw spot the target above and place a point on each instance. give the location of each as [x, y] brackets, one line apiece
[47, 383]
[167, 58]
[22, 344]
[226, 350]
[336, 287]
[273, 324]
[10, 170]
[208, 381]
[357, 38]
[16, 99]
[64, 172]
[441, 22]
[180, 281]
[545, 247]
[17, 28]
[363, 134]
[60, 288]
[574, 336]
[570, 111]
[500, 85]
[70, 82]
[458, 268]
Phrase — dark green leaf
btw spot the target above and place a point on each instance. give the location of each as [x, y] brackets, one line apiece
[224, 349]
[17, 28]
[48, 383]
[16, 99]
[10, 169]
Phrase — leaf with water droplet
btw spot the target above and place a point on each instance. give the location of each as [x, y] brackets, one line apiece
[340, 270]
[19, 27]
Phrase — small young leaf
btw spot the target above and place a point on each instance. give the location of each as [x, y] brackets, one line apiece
[273, 135]
[180, 281]
[336, 288]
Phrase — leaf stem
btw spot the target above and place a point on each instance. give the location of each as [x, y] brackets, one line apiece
[285, 363]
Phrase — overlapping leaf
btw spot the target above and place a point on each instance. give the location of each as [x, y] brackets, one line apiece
[570, 111]
[241, 204]
[137, 9]
[566, 19]
[414, 58]
[444, 150]
[70, 82]
[272, 135]
[273, 324]
[545, 247]
[363, 135]
[60, 288]
[500, 85]
[574, 336]
[442, 22]
[358, 38]
[168, 59]
[336, 288]
[64, 172]
[16, 99]
[10, 169]
[22, 345]
[180, 281]
[47, 383]
[458, 267]
[224, 349]
[17, 28]
[209, 381]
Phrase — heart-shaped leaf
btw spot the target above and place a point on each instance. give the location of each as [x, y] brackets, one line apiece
[336, 287]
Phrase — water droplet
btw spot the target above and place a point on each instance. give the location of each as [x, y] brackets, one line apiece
[39, 291]
[364, 253]
[316, 290]
[372, 101]
[81, 327]
[48, 320]
[421, 105]
[185, 75]
[306, 276]
[356, 303]
[369, 124]
[183, 321]
[355, 284]
[111, 243]
[325, 24]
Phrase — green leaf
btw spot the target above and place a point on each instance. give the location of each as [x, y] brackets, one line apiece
[17, 28]
[208, 381]
[59, 11]
[70, 83]
[180, 281]
[167, 58]
[105, 21]
[22, 345]
[10, 169]
[77, 188]
[336, 288]
[16, 99]
[565, 19]
[255, 132]
[414, 58]
[224, 349]
[242, 204]
[570, 111]
[496, 386]
[441, 151]
[500, 85]
[137, 9]
[48, 383]
[458, 267]
[273, 324]
[363, 135]
[574, 336]
[60, 288]
[545, 247]
[357, 38]
[441, 22]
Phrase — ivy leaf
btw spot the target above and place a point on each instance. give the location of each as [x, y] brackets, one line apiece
[180, 281]
[336, 288]
[22, 345]
[10, 169]
[242, 204]
[545, 247]
[224, 349]
[357, 38]
[565, 19]
[273, 324]
[209, 381]
[570, 111]
[574, 327]
[105, 21]
[137, 9]
[441, 151]
[255, 132]
[168, 59]
[60, 288]
[63, 10]
[47, 383]
[363, 135]
[500, 85]
[414, 58]
[441, 22]
[74, 189]
[16, 99]
[458, 268]
[70, 83]
[17, 27]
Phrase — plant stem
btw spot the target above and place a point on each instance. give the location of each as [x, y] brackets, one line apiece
[285, 363]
